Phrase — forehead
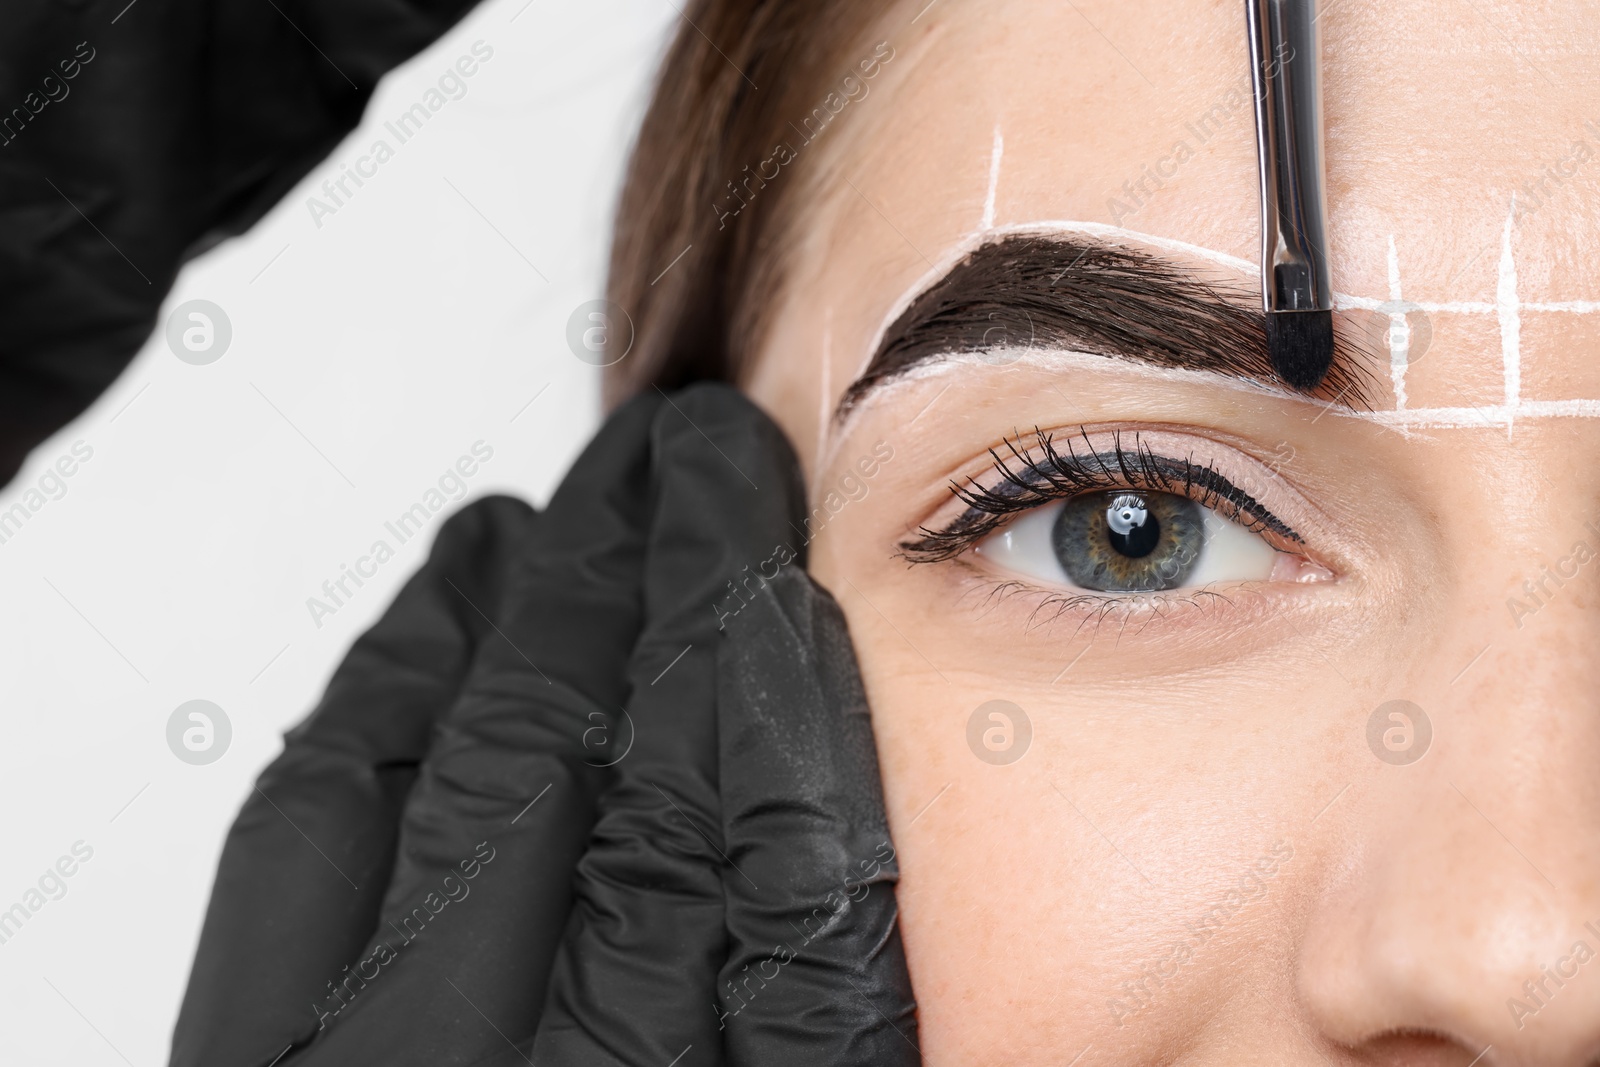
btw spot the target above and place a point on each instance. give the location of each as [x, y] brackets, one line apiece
[1462, 142]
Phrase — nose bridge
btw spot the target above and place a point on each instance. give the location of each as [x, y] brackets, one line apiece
[1525, 720]
[1476, 909]
[1518, 773]
[1518, 778]
[1520, 740]
[1560, 582]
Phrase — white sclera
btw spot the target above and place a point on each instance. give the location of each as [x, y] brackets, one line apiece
[1230, 553]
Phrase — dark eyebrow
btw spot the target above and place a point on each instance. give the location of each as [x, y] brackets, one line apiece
[1054, 292]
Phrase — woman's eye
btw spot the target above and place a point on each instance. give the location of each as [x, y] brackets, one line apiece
[1129, 541]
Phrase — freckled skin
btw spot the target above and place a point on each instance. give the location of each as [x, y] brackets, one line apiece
[1098, 891]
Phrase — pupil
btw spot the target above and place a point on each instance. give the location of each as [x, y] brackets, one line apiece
[1128, 541]
[1133, 531]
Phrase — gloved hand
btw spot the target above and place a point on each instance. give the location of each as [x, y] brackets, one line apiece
[137, 135]
[594, 791]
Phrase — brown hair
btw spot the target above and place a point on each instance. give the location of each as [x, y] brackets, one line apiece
[742, 81]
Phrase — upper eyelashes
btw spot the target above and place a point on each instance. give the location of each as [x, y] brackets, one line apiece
[1028, 479]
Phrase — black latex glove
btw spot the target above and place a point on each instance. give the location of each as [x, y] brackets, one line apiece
[734, 900]
[170, 125]
[474, 692]
[679, 884]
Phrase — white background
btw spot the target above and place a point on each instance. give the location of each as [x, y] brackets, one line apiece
[367, 355]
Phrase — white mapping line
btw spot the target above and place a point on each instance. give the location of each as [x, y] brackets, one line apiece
[1506, 306]
[1488, 415]
[824, 394]
[1054, 360]
[1510, 319]
[1341, 301]
[1345, 302]
[995, 155]
[1101, 229]
[1399, 333]
[1057, 360]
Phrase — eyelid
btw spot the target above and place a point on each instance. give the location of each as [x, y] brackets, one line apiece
[1030, 477]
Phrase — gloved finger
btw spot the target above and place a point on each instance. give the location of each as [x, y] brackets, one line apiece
[191, 119]
[635, 980]
[305, 864]
[507, 797]
[816, 971]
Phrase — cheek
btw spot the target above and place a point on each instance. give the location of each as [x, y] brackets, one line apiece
[1075, 858]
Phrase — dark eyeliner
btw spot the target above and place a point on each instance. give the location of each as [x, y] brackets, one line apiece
[1026, 482]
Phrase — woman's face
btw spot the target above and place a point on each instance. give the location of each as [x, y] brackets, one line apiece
[1187, 822]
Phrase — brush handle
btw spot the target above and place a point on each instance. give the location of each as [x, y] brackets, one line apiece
[1286, 59]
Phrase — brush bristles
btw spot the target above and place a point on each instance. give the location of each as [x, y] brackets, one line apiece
[1301, 343]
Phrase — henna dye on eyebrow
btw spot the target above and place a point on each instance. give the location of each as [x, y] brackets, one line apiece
[1036, 290]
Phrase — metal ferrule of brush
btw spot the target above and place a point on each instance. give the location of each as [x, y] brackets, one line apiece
[1285, 54]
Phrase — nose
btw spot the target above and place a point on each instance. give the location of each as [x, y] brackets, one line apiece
[1469, 916]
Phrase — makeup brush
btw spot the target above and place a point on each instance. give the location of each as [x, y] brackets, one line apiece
[1286, 56]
